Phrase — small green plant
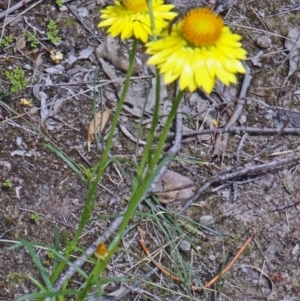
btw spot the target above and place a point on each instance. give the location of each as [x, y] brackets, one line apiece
[17, 79]
[35, 217]
[7, 41]
[31, 38]
[59, 3]
[7, 184]
[50, 254]
[52, 32]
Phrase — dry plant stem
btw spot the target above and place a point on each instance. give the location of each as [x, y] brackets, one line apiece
[286, 123]
[214, 279]
[158, 265]
[17, 6]
[222, 140]
[231, 263]
[223, 176]
[285, 207]
[13, 8]
[83, 24]
[270, 145]
[238, 151]
[242, 129]
[3, 28]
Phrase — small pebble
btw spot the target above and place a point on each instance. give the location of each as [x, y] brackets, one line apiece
[82, 12]
[212, 257]
[264, 41]
[18, 141]
[185, 246]
[243, 119]
[206, 220]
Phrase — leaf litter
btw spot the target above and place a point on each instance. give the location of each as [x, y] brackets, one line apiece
[97, 125]
[292, 43]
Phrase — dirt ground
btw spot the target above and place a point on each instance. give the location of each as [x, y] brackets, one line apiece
[40, 192]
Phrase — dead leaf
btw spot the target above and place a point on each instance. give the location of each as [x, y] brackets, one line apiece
[177, 187]
[293, 45]
[256, 60]
[25, 102]
[97, 125]
[119, 291]
[110, 50]
[85, 53]
[20, 43]
[56, 56]
[58, 69]
[38, 62]
[111, 73]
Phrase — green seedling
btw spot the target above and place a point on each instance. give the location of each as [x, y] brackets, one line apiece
[17, 79]
[7, 184]
[31, 38]
[50, 254]
[7, 41]
[35, 217]
[59, 3]
[52, 32]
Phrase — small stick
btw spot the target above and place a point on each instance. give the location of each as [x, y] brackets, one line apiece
[158, 265]
[234, 259]
[214, 279]
[15, 7]
[240, 172]
[241, 129]
[285, 207]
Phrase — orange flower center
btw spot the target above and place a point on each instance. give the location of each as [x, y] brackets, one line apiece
[201, 27]
[135, 6]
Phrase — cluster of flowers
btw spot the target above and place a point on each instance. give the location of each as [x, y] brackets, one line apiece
[196, 50]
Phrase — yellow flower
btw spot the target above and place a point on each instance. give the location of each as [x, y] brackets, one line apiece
[101, 251]
[131, 18]
[199, 49]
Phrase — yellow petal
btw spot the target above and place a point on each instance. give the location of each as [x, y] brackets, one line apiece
[187, 72]
[170, 77]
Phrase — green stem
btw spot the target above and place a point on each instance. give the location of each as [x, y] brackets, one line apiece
[103, 163]
[150, 138]
[141, 191]
[134, 200]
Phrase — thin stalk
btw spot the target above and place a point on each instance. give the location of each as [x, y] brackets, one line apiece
[146, 154]
[134, 200]
[103, 163]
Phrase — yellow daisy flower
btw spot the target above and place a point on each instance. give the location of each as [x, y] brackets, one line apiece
[199, 49]
[131, 18]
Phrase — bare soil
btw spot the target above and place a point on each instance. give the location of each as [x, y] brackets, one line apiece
[46, 194]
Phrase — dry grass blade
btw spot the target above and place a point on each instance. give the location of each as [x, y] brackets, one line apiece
[97, 125]
[214, 279]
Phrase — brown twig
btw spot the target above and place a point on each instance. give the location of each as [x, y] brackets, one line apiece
[158, 265]
[230, 174]
[241, 129]
[13, 8]
[233, 260]
[285, 207]
[222, 140]
[17, 6]
[214, 279]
